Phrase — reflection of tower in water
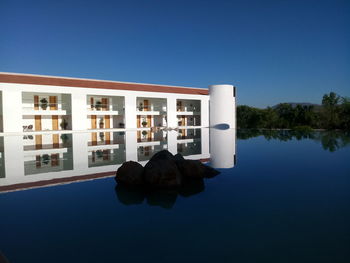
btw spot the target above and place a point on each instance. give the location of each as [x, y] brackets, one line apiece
[223, 148]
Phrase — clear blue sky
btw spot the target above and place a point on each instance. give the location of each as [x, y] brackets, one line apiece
[273, 51]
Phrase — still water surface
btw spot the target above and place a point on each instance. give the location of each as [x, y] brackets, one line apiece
[285, 198]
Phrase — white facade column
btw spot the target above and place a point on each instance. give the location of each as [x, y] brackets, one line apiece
[130, 111]
[205, 112]
[172, 142]
[79, 111]
[131, 145]
[222, 105]
[171, 112]
[222, 148]
[205, 141]
[12, 110]
[1, 127]
[80, 151]
[14, 159]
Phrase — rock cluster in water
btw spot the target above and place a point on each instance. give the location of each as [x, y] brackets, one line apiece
[163, 171]
[162, 179]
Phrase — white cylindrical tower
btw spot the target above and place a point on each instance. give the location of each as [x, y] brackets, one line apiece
[222, 148]
[222, 105]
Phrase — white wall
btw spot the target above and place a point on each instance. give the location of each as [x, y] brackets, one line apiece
[1, 126]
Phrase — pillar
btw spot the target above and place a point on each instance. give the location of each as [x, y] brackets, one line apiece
[171, 112]
[12, 110]
[172, 142]
[222, 148]
[130, 112]
[80, 150]
[222, 105]
[79, 111]
[14, 159]
[131, 145]
[204, 113]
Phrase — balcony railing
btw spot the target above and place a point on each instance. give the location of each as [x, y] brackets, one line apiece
[45, 106]
[159, 108]
[105, 107]
[187, 108]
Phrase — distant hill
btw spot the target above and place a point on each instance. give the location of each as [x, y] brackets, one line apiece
[294, 104]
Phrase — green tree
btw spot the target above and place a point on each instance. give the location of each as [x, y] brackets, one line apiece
[330, 110]
[344, 113]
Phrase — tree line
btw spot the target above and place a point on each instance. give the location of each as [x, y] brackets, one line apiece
[330, 140]
[333, 113]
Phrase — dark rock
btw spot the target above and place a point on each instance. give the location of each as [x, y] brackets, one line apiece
[195, 169]
[163, 170]
[130, 173]
[191, 186]
[163, 198]
[129, 195]
[162, 173]
[178, 157]
[163, 155]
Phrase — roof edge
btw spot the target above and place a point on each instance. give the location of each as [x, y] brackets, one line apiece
[98, 80]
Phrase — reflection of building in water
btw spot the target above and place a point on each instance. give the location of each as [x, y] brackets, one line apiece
[59, 158]
[150, 142]
[47, 153]
[189, 142]
[2, 161]
[106, 148]
[223, 148]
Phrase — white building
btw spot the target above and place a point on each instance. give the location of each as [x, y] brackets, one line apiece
[33, 103]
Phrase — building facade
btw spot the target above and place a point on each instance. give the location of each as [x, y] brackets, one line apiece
[33, 103]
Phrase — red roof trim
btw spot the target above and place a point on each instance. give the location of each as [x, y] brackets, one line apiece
[52, 182]
[96, 84]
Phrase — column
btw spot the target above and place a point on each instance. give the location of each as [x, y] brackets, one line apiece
[205, 141]
[172, 142]
[12, 110]
[204, 113]
[222, 105]
[79, 112]
[222, 148]
[171, 112]
[14, 159]
[130, 112]
[1, 127]
[131, 145]
[80, 151]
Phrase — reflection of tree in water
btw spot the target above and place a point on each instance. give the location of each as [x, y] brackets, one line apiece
[334, 140]
[330, 140]
[164, 198]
